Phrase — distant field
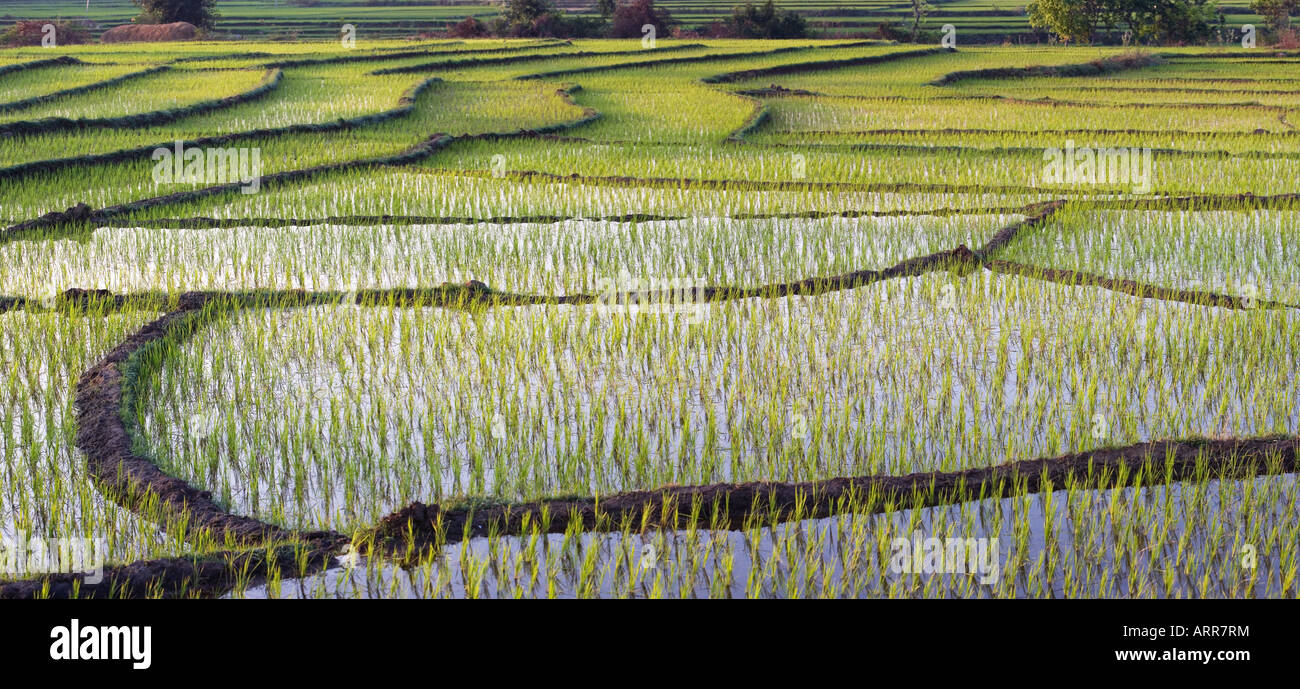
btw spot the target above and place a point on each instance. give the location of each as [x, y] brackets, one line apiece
[977, 21]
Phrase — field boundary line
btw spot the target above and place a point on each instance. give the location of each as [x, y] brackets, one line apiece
[208, 222]
[766, 185]
[406, 104]
[1105, 65]
[712, 57]
[1042, 132]
[1134, 288]
[41, 64]
[103, 393]
[1045, 101]
[82, 214]
[821, 65]
[269, 83]
[76, 90]
[760, 111]
[418, 527]
[1219, 154]
[726, 505]
[471, 62]
[406, 54]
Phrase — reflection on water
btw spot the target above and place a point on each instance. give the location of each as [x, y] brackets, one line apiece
[1152, 542]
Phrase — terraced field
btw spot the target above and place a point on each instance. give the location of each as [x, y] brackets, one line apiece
[713, 318]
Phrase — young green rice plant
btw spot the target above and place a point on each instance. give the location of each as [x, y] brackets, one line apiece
[849, 114]
[42, 82]
[44, 489]
[165, 90]
[1248, 253]
[442, 107]
[568, 257]
[1180, 540]
[333, 418]
[437, 194]
[335, 414]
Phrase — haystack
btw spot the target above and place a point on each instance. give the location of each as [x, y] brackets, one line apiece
[127, 33]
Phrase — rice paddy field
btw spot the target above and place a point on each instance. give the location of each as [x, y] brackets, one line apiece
[538, 318]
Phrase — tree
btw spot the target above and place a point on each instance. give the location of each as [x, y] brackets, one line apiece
[766, 21]
[920, 8]
[517, 13]
[606, 7]
[1276, 12]
[630, 17]
[1153, 21]
[1167, 21]
[1072, 20]
[201, 13]
[540, 19]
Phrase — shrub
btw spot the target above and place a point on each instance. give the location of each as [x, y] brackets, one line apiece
[30, 33]
[201, 13]
[889, 32]
[766, 21]
[718, 29]
[469, 27]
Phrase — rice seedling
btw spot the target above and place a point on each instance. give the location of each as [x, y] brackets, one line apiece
[717, 318]
[42, 82]
[164, 90]
[44, 490]
[1094, 537]
[927, 374]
